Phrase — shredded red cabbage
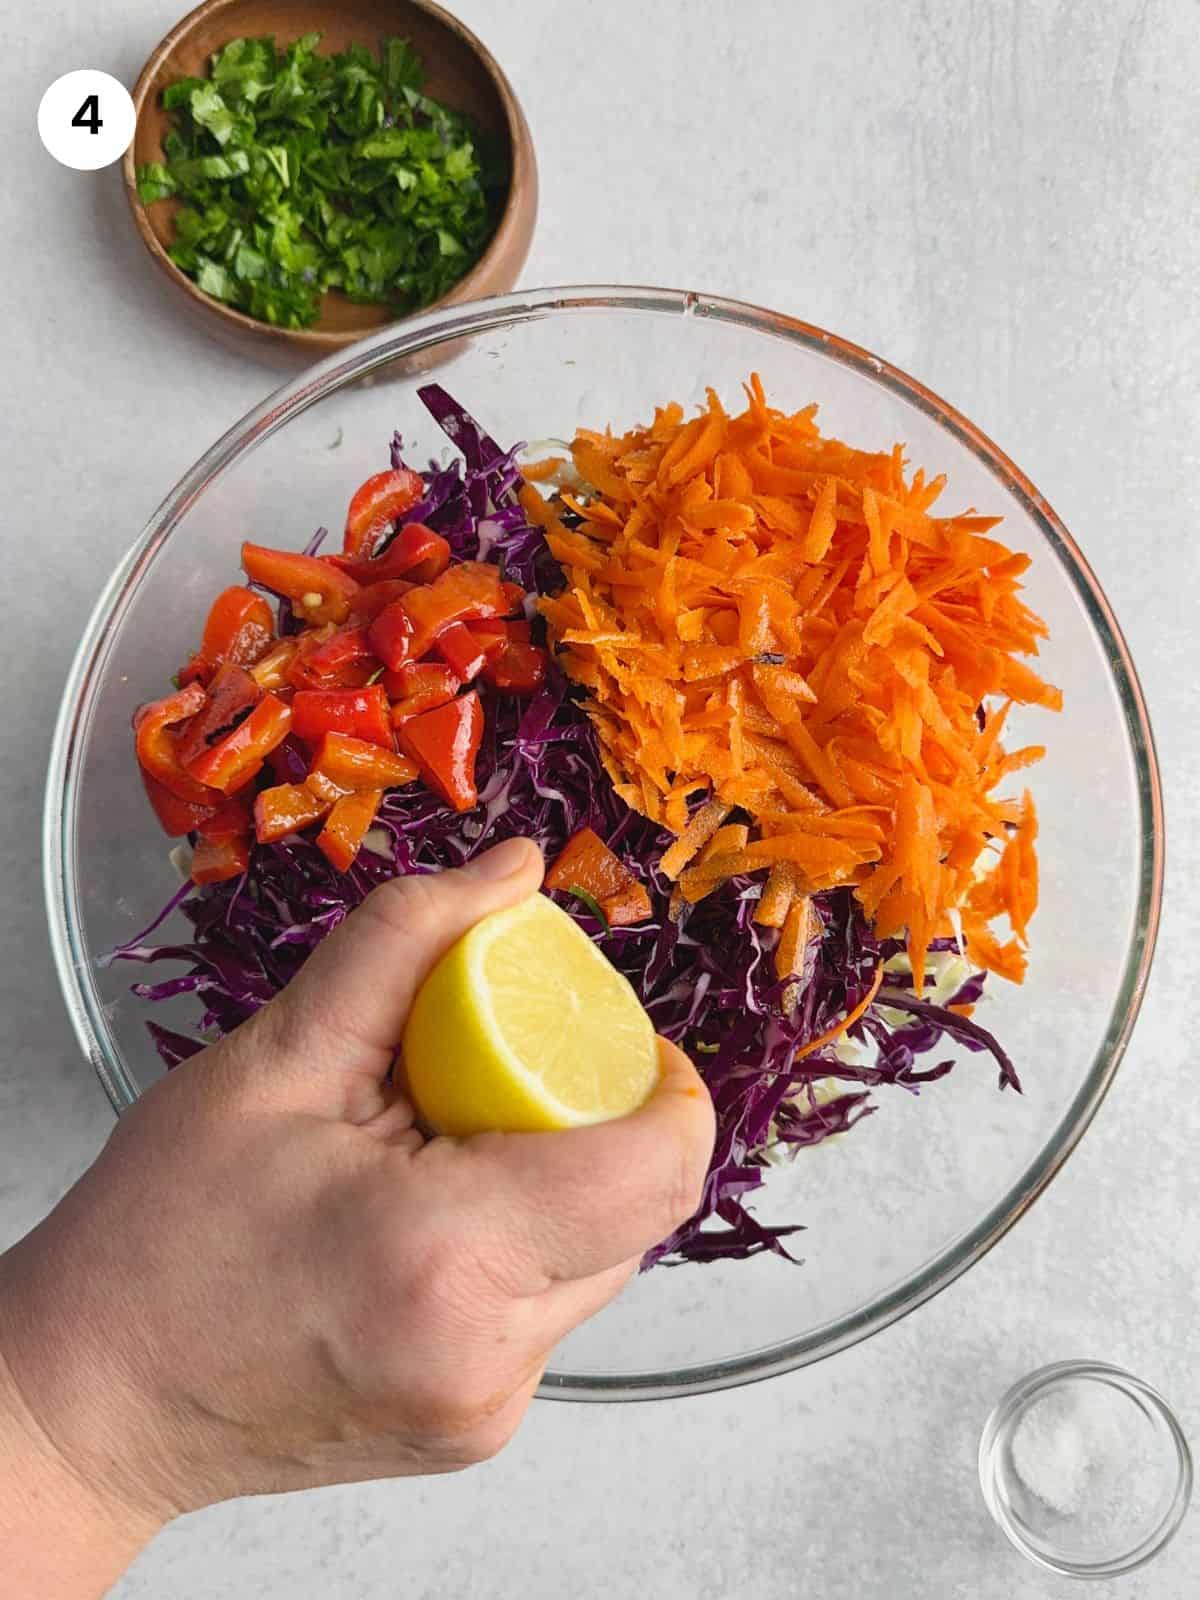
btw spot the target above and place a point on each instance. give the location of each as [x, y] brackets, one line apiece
[706, 980]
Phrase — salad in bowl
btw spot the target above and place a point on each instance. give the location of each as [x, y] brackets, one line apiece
[747, 686]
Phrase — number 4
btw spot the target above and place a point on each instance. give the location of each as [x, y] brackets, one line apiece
[88, 115]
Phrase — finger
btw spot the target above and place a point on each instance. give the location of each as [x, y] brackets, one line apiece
[343, 1014]
[577, 1203]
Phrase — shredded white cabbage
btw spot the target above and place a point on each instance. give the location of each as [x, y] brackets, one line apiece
[563, 477]
[945, 971]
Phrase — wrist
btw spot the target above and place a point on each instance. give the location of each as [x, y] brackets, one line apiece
[67, 1526]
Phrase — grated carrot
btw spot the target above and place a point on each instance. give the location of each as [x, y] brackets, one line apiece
[733, 836]
[847, 1021]
[777, 897]
[794, 937]
[697, 834]
[778, 621]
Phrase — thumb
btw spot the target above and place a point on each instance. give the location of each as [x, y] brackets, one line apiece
[345, 1010]
[580, 1202]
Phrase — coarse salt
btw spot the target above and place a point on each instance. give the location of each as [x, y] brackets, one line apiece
[1089, 1452]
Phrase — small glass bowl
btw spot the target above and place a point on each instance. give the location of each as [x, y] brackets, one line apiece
[1086, 1469]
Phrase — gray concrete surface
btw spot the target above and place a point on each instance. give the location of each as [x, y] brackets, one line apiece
[1000, 196]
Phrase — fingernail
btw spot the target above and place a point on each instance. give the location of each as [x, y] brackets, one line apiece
[502, 861]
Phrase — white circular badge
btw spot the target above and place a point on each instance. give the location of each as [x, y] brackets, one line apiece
[86, 119]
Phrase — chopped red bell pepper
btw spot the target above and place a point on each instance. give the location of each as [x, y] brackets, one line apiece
[347, 825]
[460, 649]
[518, 669]
[231, 694]
[416, 553]
[332, 658]
[239, 756]
[345, 651]
[493, 631]
[362, 713]
[270, 671]
[425, 555]
[215, 860]
[359, 675]
[297, 672]
[391, 635]
[514, 597]
[324, 788]
[444, 743]
[175, 816]
[376, 505]
[372, 599]
[318, 591]
[489, 628]
[627, 906]
[587, 863]
[488, 634]
[463, 593]
[285, 809]
[157, 744]
[230, 820]
[239, 628]
[353, 764]
[419, 686]
[586, 860]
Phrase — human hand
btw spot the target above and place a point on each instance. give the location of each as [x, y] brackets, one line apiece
[270, 1280]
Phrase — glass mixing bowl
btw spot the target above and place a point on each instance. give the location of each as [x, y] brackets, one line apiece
[918, 1192]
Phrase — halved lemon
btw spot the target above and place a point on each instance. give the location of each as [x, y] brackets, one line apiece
[524, 1025]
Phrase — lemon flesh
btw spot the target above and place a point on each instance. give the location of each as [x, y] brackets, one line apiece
[524, 1025]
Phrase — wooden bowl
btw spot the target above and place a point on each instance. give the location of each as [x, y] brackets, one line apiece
[461, 72]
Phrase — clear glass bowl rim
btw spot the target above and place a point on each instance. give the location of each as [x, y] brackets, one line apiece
[407, 339]
[1004, 1415]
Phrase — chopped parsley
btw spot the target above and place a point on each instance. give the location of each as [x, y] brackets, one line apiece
[591, 903]
[298, 172]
